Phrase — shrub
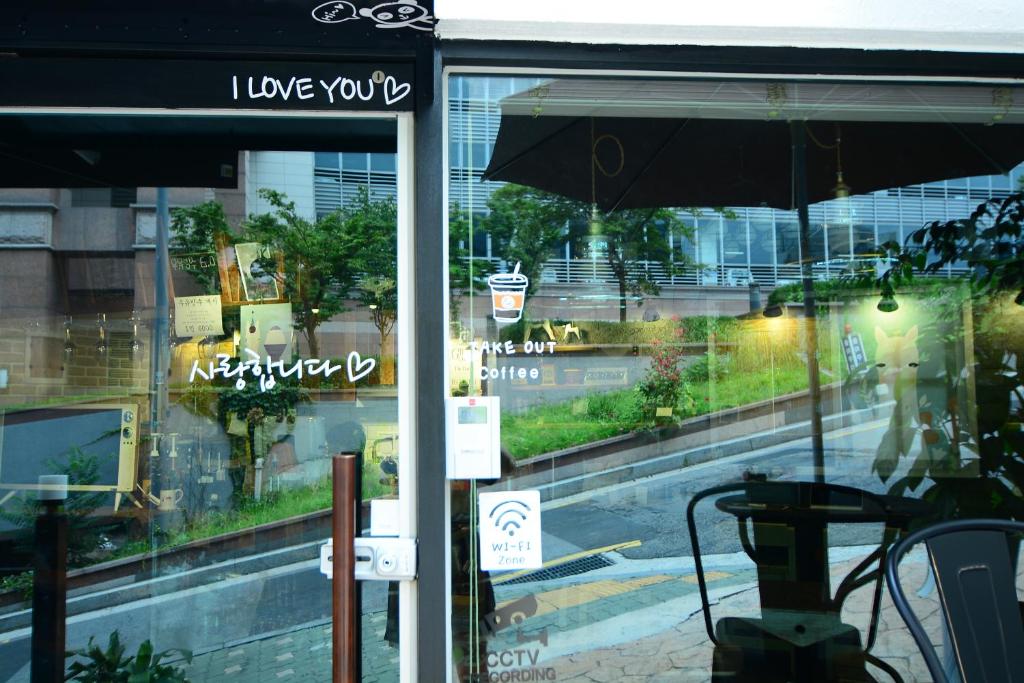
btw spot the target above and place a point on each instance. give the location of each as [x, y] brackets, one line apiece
[663, 386]
[708, 368]
[699, 328]
[111, 666]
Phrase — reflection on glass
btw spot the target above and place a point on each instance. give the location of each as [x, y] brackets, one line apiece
[648, 381]
[198, 496]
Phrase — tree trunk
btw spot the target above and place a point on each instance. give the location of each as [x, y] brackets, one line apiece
[622, 298]
[314, 343]
[387, 363]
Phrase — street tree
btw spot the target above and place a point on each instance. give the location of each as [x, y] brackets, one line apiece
[371, 227]
[466, 275]
[318, 268]
[526, 225]
[636, 248]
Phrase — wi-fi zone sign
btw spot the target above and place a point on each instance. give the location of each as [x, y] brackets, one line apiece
[509, 525]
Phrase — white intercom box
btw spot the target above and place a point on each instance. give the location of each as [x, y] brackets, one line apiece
[473, 437]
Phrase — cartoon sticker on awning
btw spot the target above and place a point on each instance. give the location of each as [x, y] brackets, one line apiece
[397, 14]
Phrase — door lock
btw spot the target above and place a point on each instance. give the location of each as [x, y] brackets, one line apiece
[377, 559]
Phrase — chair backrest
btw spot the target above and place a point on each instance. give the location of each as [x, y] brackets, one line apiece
[796, 495]
[975, 579]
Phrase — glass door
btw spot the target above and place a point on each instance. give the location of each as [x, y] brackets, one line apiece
[744, 334]
[196, 314]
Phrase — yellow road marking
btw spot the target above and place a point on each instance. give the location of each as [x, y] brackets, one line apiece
[856, 429]
[574, 596]
[708, 577]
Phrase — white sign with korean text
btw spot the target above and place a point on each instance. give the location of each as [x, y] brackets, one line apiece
[510, 537]
[198, 316]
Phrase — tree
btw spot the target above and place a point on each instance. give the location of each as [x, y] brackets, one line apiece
[466, 275]
[319, 269]
[636, 241]
[371, 227]
[526, 225]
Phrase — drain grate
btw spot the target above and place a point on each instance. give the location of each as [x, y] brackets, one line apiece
[581, 565]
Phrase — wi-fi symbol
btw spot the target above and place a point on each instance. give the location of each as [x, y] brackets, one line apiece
[508, 515]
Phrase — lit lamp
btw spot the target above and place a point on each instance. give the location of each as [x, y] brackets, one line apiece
[772, 311]
[887, 304]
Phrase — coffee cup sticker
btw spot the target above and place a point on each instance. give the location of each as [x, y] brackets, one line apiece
[508, 295]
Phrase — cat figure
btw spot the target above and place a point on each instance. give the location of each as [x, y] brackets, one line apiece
[399, 14]
[897, 359]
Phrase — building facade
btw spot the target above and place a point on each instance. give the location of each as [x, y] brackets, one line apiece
[651, 330]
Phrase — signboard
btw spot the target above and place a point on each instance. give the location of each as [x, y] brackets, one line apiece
[176, 84]
[853, 351]
[510, 531]
[225, 24]
[198, 316]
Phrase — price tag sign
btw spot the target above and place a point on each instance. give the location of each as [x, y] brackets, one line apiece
[198, 316]
[510, 536]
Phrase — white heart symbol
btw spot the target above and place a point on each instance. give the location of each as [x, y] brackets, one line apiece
[359, 368]
[393, 91]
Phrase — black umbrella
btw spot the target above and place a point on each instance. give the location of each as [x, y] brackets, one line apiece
[649, 162]
[739, 159]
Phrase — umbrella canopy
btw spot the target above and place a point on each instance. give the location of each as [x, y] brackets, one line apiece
[636, 144]
[623, 144]
[637, 162]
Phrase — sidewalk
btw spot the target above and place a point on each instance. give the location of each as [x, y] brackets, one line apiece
[653, 630]
[641, 629]
[303, 654]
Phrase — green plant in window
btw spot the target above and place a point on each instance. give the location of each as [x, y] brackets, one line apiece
[371, 227]
[84, 532]
[93, 664]
[975, 470]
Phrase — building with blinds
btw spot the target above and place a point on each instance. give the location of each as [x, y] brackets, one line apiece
[733, 248]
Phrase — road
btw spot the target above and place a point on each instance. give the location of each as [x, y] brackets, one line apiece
[648, 513]
[652, 510]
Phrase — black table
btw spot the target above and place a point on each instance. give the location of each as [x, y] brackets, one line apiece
[790, 523]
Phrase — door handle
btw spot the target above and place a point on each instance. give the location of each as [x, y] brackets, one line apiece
[376, 559]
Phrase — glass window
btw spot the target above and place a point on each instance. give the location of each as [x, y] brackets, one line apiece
[354, 161]
[637, 386]
[762, 243]
[192, 400]
[327, 159]
[734, 242]
[382, 163]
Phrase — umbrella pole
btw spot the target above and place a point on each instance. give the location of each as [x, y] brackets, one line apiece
[798, 136]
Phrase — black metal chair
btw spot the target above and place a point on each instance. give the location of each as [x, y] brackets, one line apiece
[800, 635]
[976, 585]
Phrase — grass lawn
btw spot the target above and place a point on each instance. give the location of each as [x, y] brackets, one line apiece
[547, 428]
[555, 426]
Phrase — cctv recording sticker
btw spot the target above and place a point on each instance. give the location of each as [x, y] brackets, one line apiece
[510, 534]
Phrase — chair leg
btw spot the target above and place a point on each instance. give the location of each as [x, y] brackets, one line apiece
[884, 666]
